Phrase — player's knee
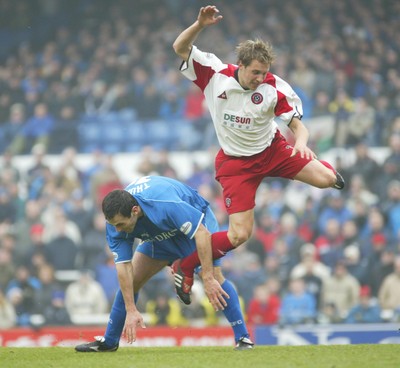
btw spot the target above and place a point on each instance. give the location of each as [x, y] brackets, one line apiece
[330, 179]
[326, 179]
[239, 235]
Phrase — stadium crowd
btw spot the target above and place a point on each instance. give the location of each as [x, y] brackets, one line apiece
[99, 77]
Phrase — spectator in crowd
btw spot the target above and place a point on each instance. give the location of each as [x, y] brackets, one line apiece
[38, 252]
[103, 181]
[171, 106]
[36, 129]
[105, 272]
[391, 207]
[330, 243]
[367, 311]
[165, 310]
[288, 232]
[56, 314]
[389, 291]
[8, 317]
[356, 264]
[163, 165]
[9, 167]
[8, 209]
[350, 232]
[391, 165]
[341, 290]
[263, 307]
[298, 306]
[65, 132]
[310, 262]
[79, 210]
[360, 123]
[85, 297]
[38, 173]
[375, 232]
[7, 267]
[13, 127]
[365, 166]
[380, 267]
[96, 102]
[329, 314]
[336, 208]
[358, 191]
[56, 224]
[93, 241]
[341, 108]
[68, 176]
[23, 227]
[21, 293]
[46, 299]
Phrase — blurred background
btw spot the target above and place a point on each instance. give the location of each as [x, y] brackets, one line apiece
[91, 96]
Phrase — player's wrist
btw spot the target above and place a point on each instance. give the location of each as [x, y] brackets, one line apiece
[199, 25]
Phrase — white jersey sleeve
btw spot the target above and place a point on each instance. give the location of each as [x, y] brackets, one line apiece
[244, 120]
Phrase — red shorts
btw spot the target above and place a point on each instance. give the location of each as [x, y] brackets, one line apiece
[240, 177]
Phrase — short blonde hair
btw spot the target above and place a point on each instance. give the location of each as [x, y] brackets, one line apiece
[257, 49]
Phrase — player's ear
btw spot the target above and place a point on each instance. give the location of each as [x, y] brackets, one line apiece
[135, 210]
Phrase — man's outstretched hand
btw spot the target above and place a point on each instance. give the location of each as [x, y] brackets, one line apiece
[208, 15]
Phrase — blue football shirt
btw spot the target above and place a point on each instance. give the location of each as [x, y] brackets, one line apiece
[172, 214]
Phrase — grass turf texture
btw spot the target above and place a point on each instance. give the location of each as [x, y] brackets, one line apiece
[313, 356]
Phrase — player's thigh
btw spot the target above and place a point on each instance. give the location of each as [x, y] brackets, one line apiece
[316, 174]
[145, 268]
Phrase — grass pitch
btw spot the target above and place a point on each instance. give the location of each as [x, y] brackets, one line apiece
[313, 356]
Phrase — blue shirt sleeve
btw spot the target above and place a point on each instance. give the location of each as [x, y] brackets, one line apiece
[120, 243]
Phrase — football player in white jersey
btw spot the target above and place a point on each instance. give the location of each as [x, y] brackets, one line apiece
[244, 99]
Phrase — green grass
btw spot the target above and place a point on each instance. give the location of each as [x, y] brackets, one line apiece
[313, 356]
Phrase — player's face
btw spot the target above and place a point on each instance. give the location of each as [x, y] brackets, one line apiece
[251, 76]
[127, 224]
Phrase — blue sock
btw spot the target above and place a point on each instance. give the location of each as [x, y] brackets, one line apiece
[116, 322]
[233, 312]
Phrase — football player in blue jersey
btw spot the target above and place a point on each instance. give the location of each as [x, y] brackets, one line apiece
[172, 221]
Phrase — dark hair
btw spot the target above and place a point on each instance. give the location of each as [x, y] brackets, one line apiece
[116, 202]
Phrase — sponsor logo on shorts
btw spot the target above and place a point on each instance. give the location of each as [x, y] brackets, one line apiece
[186, 228]
[256, 98]
[228, 202]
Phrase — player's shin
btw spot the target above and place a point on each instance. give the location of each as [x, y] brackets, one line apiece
[116, 322]
[233, 311]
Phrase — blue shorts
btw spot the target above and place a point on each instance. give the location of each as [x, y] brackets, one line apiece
[170, 250]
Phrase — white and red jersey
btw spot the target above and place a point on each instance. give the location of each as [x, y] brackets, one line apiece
[243, 119]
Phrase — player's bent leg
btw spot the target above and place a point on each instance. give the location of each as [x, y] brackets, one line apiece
[183, 283]
[240, 227]
[144, 268]
[319, 175]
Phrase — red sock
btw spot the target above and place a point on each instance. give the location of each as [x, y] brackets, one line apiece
[328, 165]
[220, 244]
